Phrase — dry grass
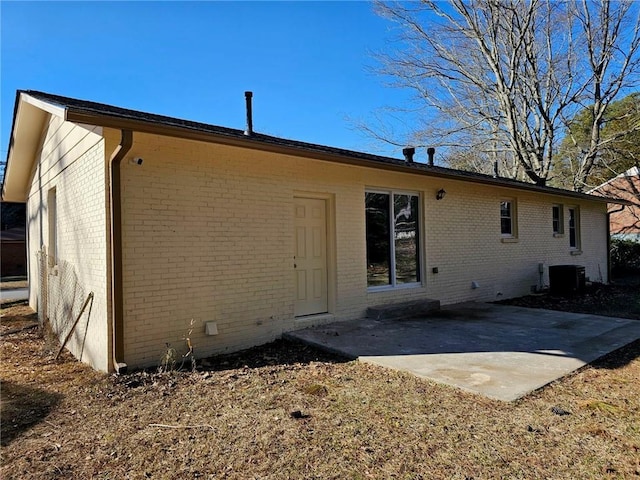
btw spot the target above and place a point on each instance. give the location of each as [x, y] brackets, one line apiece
[16, 316]
[351, 421]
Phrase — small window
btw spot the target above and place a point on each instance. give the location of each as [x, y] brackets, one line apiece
[574, 228]
[557, 219]
[393, 239]
[52, 219]
[508, 218]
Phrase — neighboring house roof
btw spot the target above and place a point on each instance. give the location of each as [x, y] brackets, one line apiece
[29, 123]
[624, 186]
[13, 235]
[633, 173]
[625, 221]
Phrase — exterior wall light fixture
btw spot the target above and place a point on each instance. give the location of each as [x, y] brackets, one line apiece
[440, 194]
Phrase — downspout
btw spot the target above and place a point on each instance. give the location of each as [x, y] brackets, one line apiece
[117, 307]
[609, 241]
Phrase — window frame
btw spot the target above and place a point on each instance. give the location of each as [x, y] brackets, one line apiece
[393, 283]
[513, 219]
[577, 241]
[559, 231]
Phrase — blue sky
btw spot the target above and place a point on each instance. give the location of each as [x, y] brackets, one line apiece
[308, 63]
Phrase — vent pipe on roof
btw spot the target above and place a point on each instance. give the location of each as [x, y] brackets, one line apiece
[249, 130]
[430, 152]
[495, 169]
[408, 153]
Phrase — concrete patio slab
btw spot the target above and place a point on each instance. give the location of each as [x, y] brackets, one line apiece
[503, 352]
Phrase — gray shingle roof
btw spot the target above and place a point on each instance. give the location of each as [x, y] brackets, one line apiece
[308, 149]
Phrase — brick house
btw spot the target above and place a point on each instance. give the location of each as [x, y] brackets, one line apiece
[238, 236]
[624, 221]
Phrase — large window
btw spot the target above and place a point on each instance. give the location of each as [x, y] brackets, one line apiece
[574, 228]
[393, 240]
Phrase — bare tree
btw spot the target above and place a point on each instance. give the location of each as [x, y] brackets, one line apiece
[610, 67]
[619, 144]
[505, 76]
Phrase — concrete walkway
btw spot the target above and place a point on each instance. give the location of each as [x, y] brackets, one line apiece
[500, 351]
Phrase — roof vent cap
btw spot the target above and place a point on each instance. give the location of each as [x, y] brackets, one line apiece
[249, 129]
[430, 152]
[408, 153]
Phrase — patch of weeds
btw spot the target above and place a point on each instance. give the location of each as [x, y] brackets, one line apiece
[317, 390]
[601, 406]
[172, 361]
[51, 342]
[169, 360]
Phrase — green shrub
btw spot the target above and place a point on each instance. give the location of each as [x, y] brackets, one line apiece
[625, 256]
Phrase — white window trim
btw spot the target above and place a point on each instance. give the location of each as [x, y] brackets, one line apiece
[560, 232]
[392, 260]
[577, 248]
[513, 236]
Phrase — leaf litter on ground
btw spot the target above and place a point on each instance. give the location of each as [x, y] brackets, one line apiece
[286, 410]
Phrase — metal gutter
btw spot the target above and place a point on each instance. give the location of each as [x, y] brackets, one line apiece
[115, 204]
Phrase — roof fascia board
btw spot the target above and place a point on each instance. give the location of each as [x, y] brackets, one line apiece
[51, 108]
[256, 144]
[30, 119]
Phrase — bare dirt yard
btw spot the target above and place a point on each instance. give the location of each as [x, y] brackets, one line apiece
[289, 411]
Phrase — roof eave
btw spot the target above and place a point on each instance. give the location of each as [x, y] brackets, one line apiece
[29, 118]
[110, 121]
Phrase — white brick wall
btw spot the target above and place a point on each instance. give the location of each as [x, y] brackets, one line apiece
[468, 247]
[72, 159]
[208, 235]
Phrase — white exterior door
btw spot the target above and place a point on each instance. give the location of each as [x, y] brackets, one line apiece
[310, 256]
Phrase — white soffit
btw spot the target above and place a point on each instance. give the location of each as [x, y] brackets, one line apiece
[56, 110]
[29, 120]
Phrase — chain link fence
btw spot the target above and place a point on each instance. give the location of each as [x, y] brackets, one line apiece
[60, 301]
[43, 297]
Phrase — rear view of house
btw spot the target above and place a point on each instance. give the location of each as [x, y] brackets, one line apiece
[176, 226]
